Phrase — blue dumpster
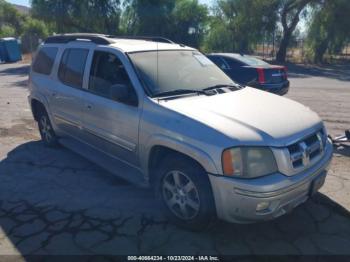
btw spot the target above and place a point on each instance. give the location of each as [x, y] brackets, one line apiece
[9, 50]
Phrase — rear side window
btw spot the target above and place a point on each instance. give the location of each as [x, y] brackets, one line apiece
[71, 71]
[44, 60]
[233, 63]
[252, 61]
[219, 62]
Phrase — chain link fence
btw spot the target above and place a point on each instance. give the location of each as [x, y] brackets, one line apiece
[297, 52]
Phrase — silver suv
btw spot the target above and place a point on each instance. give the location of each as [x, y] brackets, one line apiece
[161, 114]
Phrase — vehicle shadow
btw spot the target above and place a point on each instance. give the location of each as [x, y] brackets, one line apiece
[21, 70]
[14, 75]
[342, 149]
[339, 72]
[52, 201]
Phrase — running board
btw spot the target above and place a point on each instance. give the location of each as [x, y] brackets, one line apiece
[113, 165]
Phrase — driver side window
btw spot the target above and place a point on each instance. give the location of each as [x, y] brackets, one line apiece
[107, 75]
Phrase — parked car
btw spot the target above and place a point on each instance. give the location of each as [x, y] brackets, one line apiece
[254, 72]
[162, 115]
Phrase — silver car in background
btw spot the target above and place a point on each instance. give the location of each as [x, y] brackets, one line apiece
[161, 114]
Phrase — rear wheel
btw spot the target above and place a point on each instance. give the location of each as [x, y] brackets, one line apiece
[185, 193]
[47, 133]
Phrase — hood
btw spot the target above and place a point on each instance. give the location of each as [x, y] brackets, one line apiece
[250, 116]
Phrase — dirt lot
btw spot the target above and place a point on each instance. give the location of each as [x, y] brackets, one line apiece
[54, 202]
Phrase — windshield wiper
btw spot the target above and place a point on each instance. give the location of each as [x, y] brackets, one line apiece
[179, 92]
[237, 86]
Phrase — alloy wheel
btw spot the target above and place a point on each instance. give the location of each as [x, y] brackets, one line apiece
[180, 195]
[45, 128]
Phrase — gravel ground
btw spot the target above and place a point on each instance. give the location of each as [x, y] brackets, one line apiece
[52, 201]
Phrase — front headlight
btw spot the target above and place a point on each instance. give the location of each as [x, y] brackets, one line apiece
[248, 162]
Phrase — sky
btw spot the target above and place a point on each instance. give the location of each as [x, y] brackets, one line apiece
[19, 2]
[26, 2]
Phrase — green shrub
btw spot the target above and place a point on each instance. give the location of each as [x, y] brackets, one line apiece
[7, 31]
[33, 31]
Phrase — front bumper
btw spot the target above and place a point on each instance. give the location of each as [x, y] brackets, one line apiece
[237, 200]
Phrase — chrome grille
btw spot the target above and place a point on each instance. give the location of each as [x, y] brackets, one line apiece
[306, 151]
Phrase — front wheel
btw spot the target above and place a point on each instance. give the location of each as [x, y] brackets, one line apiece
[185, 192]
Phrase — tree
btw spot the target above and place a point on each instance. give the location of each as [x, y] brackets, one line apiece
[290, 11]
[105, 14]
[183, 21]
[329, 30]
[148, 17]
[188, 22]
[33, 31]
[78, 15]
[238, 24]
[7, 31]
[57, 12]
[10, 19]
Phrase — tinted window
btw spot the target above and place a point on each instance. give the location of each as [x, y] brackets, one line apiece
[219, 62]
[107, 71]
[71, 71]
[44, 60]
[252, 61]
[166, 71]
[233, 63]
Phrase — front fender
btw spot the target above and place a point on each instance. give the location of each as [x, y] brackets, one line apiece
[189, 150]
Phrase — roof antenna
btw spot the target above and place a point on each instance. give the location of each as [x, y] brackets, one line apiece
[157, 65]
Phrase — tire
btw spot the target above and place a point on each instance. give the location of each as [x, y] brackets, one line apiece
[184, 190]
[47, 133]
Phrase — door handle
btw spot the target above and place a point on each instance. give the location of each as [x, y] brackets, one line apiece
[54, 94]
[89, 107]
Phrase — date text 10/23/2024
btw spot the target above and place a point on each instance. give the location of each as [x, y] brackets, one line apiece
[173, 258]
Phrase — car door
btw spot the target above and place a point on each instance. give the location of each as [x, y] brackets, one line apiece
[66, 93]
[111, 125]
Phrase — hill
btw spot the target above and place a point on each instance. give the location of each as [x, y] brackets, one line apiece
[22, 9]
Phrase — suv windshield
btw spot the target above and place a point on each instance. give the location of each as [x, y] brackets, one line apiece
[167, 71]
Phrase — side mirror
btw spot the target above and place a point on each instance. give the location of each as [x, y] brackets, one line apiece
[119, 92]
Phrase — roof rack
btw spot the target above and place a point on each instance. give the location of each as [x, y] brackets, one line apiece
[66, 38]
[100, 39]
[147, 38]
